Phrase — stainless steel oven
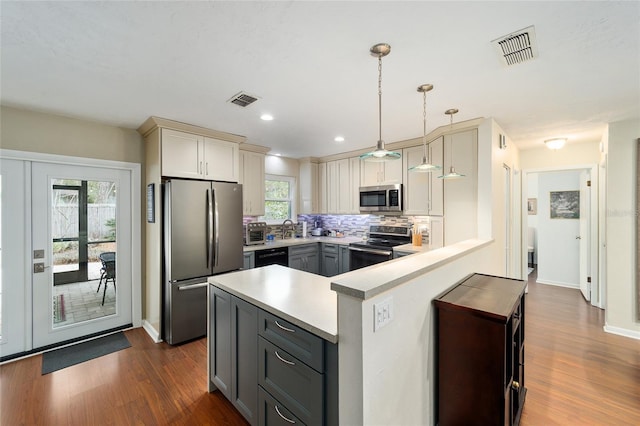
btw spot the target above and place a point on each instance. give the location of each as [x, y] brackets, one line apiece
[360, 257]
[379, 247]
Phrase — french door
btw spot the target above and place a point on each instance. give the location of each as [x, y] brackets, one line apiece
[81, 220]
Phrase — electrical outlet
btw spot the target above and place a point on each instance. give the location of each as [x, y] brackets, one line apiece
[382, 313]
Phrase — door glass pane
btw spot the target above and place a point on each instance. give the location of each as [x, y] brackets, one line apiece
[84, 241]
[65, 228]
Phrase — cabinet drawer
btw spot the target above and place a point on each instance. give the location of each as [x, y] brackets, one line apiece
[305, 346]
[271, 412]
[329, 248]
[295, 384]
[304, 249]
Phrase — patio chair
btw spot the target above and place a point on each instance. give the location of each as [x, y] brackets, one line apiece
[107, 272]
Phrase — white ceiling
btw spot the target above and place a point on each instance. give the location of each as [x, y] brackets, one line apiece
[309, 63]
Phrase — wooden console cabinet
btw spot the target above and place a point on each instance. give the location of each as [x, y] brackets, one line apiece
[480, 352]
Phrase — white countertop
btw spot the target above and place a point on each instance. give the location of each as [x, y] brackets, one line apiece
[302, 298]
[375, 279]
[297, 241]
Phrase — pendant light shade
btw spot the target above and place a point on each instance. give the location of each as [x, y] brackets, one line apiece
[425, 166]
[380, 153]
[452, 171]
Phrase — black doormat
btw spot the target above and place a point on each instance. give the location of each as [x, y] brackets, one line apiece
[81, 352]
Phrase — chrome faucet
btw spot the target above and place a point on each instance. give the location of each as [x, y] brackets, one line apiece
[284, 227]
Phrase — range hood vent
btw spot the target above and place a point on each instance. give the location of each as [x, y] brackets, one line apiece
[243, 99]
[517, 47]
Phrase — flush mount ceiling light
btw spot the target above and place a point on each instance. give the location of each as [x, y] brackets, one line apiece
[266, 117]
[556, 143]
[339, 139]
[380, 153]
[425, 166]
[452, 171]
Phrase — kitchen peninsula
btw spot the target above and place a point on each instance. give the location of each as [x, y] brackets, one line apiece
[277, 315]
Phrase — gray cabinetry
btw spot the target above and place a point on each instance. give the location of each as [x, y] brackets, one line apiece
[273, 372]
[344, 259]
[330, 260]
[249, 260]
[233, 351]
[305, 258]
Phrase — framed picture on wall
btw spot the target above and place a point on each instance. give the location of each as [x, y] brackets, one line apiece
[532, 206]
[564, 204]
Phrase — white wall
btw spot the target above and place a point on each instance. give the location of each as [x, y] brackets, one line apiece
[559, 251]
[621, 298]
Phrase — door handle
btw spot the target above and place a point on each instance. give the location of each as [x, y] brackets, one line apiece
[578, 237]
[192, 286]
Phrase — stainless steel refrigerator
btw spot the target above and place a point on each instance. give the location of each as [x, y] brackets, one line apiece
[202, 237]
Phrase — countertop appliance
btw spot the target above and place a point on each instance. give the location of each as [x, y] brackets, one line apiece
[379, 247]
[383, 199]
[202, 226]
[255, 233]
[272, 256]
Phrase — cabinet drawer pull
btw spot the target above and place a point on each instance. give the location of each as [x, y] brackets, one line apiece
[284, 328]
[283, 417]
[284, 360]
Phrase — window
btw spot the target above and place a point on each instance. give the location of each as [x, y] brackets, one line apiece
[279, 199]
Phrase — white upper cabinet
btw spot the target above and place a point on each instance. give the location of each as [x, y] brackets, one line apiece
[252, 180]
[221, 160]
[436, 187]
[461, 195]
[181, 154]
[198, 157]
[354, 193]
[416, 185]
[383, 173]
[322, 188]
[343, 178]
[309, 188]
[423, 191]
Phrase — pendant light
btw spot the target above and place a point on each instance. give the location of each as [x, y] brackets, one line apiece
[380, 153]
[452, 171]
[425, 166]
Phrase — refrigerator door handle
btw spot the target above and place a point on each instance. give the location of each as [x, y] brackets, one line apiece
[216, 236]
[210, 253]
[192, 286]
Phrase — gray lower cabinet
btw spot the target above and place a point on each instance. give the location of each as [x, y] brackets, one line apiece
[344, 259]
[249, 260]
[271, 370]
[234, 348]
[305, 258]
[330, 260]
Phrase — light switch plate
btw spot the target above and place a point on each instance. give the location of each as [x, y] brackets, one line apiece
[382, 313]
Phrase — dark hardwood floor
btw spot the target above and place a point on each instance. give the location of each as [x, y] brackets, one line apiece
[576, 374]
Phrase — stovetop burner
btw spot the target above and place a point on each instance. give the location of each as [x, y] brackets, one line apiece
[386, 236]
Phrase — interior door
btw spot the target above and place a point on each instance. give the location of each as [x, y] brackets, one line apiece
[92, 302]
[585, 213]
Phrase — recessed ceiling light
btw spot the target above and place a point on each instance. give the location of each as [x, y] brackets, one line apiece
[339, 139]
[266, 117]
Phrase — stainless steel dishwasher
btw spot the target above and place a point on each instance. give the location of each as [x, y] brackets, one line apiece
[272, 256]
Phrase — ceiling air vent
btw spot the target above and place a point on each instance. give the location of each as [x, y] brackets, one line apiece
[242, 99]
[517, 47]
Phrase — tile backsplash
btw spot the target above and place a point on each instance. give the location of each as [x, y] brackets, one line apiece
[350, 225]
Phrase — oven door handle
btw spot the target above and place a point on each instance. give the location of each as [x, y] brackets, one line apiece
[373, 251]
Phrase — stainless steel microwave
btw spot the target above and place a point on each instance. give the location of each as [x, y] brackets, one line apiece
[381, 199]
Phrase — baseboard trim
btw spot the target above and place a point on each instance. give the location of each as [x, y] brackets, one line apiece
[151, 331]
[557, 284]
[622, 332]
